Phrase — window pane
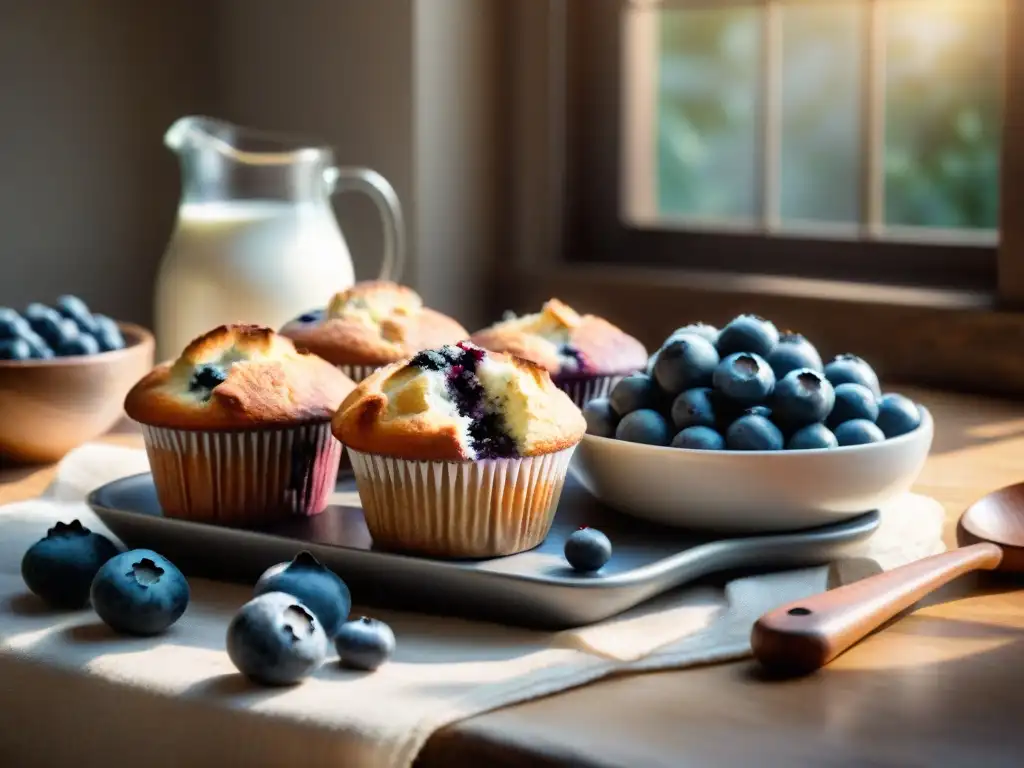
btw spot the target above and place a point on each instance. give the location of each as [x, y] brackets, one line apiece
[944, 62]
[822, 65]
[708, 96]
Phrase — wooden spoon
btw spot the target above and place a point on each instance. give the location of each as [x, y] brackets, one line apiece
[806, 635]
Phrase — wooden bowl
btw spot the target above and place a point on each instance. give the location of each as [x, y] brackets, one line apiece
[48, 407]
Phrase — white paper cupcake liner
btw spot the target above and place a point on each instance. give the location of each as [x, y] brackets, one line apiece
[467, 509]
[243, 477]
[583, 390]
[357, 372]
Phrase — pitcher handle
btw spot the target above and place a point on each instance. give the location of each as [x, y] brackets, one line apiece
[377, 188]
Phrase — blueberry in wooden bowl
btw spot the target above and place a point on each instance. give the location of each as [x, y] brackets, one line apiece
[64, 373]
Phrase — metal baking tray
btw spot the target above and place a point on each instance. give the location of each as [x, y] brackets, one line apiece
[534, 589]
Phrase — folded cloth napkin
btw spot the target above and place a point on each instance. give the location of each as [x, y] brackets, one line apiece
[73, 691]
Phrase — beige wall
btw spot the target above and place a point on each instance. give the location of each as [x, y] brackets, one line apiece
[87, 87]
[87, 191]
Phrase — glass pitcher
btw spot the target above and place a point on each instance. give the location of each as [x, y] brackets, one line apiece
[256, 239]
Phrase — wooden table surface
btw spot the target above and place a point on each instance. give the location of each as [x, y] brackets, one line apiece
[944, 685]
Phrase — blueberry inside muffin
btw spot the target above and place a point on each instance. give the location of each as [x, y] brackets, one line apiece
[459, 402]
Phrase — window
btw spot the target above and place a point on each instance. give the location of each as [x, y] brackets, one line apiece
[846, 139]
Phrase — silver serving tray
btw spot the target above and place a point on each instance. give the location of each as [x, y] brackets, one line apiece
[535, 588]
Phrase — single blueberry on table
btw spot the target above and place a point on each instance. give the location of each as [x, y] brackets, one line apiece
[744, 378]
[699, 439]
[853, 401]
[60, 567]
[108, 334]
[748, 333]
[15, 349]
[139, 593]
[364, 643]
[81, 344]
[587, 550]
[753, 433]
[685, 362]
[694, 408]
[12, 324]
[705, 331]
[794, 351]
[276, 640]
[858, 432]
[802, 397]
[633, 393]
[601, 419]
[644, 426]
[897, 415]
[315, 585]
[850, 369]
[811, 437]
[76, 310]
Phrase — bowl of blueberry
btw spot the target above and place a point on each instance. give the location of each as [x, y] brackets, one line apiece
[64, 374]
[747, 430]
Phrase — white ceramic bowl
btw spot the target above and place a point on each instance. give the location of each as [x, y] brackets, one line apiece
[750, 491]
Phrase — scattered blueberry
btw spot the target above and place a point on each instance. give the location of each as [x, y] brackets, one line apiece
[82, 344]
[705, 331]
[276, 640]
[48, 323]
[858, 432]
[139, 592]
[108, 334]
[744, 378]
[699, 439]
[694, 408]
[633, 393]
[60, 567]
[15, 349]
[364, 643]
[685, 362]
[793, 351]
[748, 333]
[12, 325]
[587, 550]
[897, 415]
[753, 433]
[644, 426]
[812, 437]
[601, 419]
[318, 587]
[850, 369]
[853, 401]
[75, 309]
[802, 397]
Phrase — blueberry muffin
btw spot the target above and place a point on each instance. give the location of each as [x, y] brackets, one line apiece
[585, 355]
[371, 324]
[459, 452]
[237, 429]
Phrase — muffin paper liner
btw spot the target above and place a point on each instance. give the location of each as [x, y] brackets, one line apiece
[244, 477]
[584, 389]
[460, 509]
[357, 372]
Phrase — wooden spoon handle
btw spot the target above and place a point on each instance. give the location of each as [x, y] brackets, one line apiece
[806, 635]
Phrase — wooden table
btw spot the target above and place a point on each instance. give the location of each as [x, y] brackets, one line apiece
[943, 686]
